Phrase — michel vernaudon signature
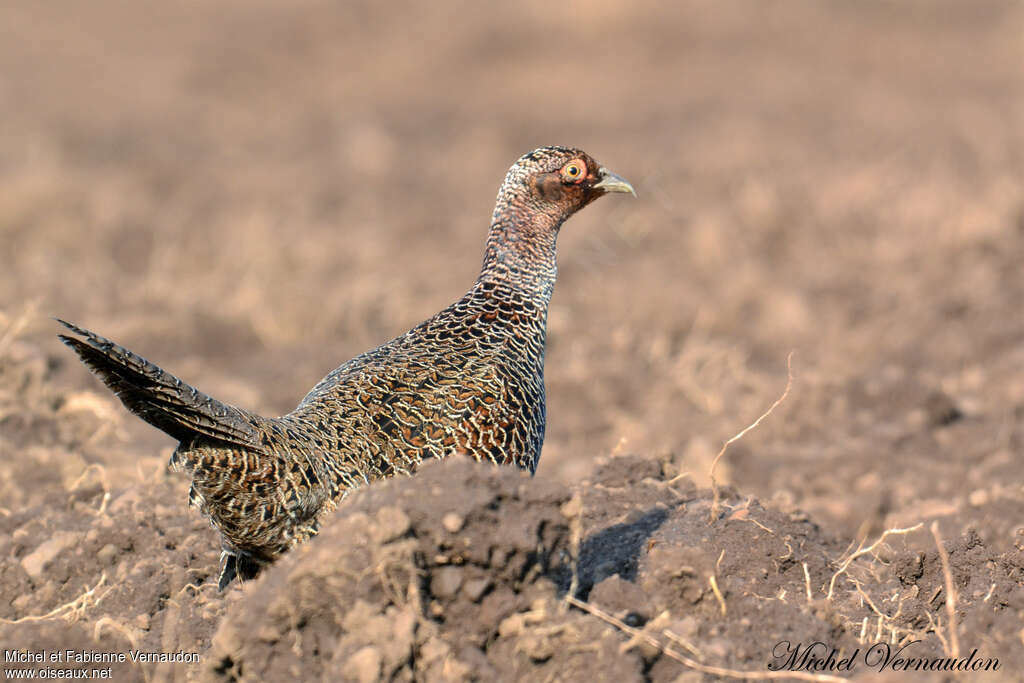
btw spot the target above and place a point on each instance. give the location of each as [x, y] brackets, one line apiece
[818, 656]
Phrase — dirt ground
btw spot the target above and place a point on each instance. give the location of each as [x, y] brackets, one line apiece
[249, 193]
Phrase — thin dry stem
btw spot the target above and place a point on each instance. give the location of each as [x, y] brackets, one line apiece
[576, 534]
[871, 603]
[716, 502]
[718, 593]
[679, 640]
[864, 551]
[742, 514]
[935, 625]
[692, 664]
[885, 621]
[954, 640]
[109, 623]
[71, 611]
[678, 477]
[198, 588]
[94, 467]
[757, 523]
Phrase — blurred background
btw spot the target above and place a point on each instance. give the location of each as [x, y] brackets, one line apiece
[249, 193]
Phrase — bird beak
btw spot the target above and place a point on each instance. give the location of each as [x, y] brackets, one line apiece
[610, 182]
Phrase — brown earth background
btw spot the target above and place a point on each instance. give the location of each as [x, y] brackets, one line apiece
[249, 193]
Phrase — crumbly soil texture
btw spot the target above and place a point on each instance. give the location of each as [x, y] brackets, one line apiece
[249, 193]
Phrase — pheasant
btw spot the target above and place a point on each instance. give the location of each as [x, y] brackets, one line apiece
[469, 380]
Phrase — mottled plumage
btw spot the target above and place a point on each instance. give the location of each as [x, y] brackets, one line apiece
[469, 380]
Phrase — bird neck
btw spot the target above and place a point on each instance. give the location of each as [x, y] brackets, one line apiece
[520, 249]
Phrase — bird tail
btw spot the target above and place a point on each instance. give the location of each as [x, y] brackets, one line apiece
[160, 398]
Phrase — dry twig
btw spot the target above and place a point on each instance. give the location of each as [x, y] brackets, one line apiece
[715, 504]
[129, 634]
[954, 640]
[574, 511]
[94, 467]
[864, 551]
[718, 593]
[71, 611]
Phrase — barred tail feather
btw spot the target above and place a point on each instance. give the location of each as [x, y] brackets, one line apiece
[160, 398]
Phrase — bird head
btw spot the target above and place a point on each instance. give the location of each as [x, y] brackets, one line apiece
[558, 181]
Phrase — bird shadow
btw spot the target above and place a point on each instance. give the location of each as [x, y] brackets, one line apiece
[611, 551]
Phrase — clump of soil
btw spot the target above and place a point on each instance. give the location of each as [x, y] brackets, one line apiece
[462, 573]
[415, 579]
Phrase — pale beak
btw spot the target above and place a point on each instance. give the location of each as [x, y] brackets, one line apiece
[613, 183]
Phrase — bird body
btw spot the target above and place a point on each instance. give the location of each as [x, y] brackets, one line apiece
[469, 380]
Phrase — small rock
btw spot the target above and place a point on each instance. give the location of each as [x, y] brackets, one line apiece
[455, 670]
[538, 648]
[978, 498]
[107, 554]
[498, 558]
[35, 562]
[573, 508]
[446, 582]
[512, 626]
[941, 409]
[620, 597]
[435, 650]
[453, 522]
[476, 588]
[498, 604]
[391, 523]
[364, 665]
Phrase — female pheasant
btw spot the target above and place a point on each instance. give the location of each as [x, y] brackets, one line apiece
[469, 380]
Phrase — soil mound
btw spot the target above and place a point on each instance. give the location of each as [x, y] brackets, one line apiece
[463, 573]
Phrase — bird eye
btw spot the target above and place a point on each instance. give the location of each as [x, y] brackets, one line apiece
[573, 171]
